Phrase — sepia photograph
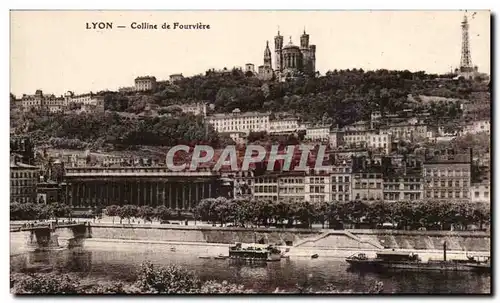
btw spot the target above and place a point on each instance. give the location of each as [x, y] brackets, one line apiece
[250, 152]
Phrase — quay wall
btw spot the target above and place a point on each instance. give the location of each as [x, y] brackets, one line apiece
[301, 238]
[428, 240]
[200, 234]
[301, 242]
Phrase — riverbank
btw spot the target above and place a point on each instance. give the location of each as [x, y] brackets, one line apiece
[310, 238]
[299, 242]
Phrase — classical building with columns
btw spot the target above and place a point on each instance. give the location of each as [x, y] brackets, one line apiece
[152, 186]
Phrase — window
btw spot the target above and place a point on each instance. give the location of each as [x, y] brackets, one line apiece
[486, 194]
[346, 179]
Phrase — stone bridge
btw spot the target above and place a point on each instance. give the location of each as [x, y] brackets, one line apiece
[52, 235]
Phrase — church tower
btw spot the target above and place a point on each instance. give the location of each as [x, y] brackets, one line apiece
[267, 56]
[278, 48]
[304, 40]
[306, 55]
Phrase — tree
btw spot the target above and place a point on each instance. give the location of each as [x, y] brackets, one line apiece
[321, 212]
[222, 208]
[481, 214]
[112, 211]
[127, 212]
[45, 284]
[171, 279]
[146, 212]
[224, 287]
[353, 211]
[204, 210]
[60, 210]
[162, 213]
[264, 211]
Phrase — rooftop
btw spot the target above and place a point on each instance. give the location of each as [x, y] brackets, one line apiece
[22, 165]
[237, 113]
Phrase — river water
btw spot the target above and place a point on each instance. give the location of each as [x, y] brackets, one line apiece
[119, 262]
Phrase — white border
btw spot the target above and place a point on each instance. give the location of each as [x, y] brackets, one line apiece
[198, 5]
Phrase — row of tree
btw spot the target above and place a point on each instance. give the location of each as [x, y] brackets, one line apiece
[151, 279]
[147, 213]
[256, 212]
[32, 211]
[403, 215]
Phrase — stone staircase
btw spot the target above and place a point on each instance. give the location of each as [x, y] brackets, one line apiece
[345, 233]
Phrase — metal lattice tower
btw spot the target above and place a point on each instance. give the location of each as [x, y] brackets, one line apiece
[465, 60]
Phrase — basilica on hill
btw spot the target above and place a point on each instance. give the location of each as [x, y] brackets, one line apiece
[291, 61]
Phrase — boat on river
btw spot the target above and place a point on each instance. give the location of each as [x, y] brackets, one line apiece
[221, 257]
[480, 266]
[393, 260]
[254, 252]
[399, 260]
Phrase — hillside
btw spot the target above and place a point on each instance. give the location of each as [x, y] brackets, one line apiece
[339, 97]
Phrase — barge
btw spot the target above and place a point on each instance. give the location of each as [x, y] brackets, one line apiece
[394, 260]
[254, 253]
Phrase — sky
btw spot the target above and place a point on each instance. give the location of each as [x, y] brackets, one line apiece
[53, 50]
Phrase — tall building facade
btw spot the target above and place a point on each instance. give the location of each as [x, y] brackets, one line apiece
[23, 180]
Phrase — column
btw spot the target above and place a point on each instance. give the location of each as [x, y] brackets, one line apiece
[143, 189]
[170, 196]
[164, 196]
[130, 186]
[176, 196]
[107, 184]
[151, 191]
[196, 193]
[203, 190]
[157, 194]
[117, 194]
[183, 202]
[76, 197]
[139, 186]
[86, 191]
[72, 191]
[98, 195]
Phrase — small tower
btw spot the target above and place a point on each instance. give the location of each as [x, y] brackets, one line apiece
[267, 56]
[278, 46]
[465, 60]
